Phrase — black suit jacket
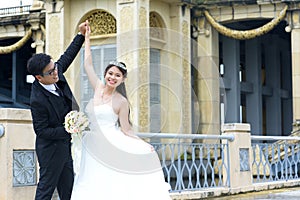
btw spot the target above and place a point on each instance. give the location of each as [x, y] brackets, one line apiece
[51, 137]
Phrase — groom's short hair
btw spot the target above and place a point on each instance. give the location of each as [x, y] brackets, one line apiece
[37, 63]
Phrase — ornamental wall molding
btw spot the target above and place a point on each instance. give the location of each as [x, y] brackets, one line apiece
[156, 26]
[248, 34]
[103, 23]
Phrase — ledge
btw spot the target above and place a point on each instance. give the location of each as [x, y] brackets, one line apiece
[225, 191]
[236, 127]
[15, 114]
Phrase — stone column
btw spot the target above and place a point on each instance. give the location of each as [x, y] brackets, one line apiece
[55, 34]
[231, 61]
[295, 48]
[186, 71]
[207, 80]
[133, 49]
[37, 26]
[273, 82]
[286, 88]
[238, 157]
[253, 76]
[179, 46]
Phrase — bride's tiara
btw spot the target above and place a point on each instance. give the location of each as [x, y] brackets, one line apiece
[118, 64]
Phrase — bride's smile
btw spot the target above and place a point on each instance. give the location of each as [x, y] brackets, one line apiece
[114, 77]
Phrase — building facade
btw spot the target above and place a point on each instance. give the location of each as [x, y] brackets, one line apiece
[193, 65]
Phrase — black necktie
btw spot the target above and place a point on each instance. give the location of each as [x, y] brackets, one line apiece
[58, 91]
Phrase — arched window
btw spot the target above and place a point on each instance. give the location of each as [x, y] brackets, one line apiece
[103, 47]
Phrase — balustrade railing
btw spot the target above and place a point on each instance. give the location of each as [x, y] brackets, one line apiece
[275, 161]
[14, 10]
[189, 164]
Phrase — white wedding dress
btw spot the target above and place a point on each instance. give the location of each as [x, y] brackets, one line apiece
[114, 166]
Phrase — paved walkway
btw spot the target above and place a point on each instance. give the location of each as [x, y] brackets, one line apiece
[283, 194]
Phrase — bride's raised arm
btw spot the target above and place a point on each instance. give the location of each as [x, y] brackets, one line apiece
[88, 62]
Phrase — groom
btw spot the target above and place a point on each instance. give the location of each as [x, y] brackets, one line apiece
[51, 99]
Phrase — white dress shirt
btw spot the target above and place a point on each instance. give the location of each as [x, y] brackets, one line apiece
[51, 88]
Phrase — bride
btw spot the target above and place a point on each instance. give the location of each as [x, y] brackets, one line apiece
[115, 163]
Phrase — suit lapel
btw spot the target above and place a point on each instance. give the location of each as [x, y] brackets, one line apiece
[51, 98]
[62, 87]
[62, 84]
[54, 103]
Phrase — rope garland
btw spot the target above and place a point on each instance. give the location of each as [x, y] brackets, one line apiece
[249, 34]
[240, 35]
[17, 45]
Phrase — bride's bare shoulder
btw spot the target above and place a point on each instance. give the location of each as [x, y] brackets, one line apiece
[121, 98]
[119, 101]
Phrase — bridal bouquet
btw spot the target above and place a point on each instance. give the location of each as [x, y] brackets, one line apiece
[76, 122]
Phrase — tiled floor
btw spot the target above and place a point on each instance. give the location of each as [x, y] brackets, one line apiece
[283, 194]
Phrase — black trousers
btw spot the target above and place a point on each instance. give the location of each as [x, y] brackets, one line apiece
[58, 175]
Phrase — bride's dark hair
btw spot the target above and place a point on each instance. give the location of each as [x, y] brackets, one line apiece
[121, 88]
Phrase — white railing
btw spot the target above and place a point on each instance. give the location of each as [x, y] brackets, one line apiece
[189, 164]
[14, 10]
[276, 158]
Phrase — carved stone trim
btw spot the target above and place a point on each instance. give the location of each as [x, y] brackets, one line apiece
[102, 23]
[24, 168]
[156, 26]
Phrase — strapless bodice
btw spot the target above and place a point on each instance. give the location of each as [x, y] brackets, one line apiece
[103, 114]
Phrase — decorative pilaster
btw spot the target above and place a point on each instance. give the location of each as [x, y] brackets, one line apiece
[295, 50]
[207, 80]
[133, 49]
[186, 77]
[179, 116]
[36, 25]
[54, 29]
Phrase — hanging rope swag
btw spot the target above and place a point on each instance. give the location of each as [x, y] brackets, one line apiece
[249, 34]
[17, 45]
[241, 35]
